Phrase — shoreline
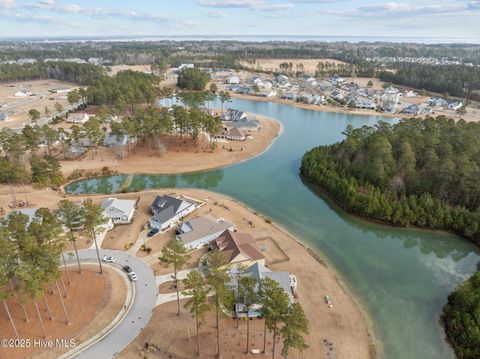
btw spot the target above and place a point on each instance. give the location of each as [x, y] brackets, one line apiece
[323, 108]
[322, 260]
[139, 164]
[333, 200]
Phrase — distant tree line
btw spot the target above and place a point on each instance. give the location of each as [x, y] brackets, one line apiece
[456, 80]
[83, 74]
[421, 173]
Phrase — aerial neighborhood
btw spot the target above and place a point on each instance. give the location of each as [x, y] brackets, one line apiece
[212, 198]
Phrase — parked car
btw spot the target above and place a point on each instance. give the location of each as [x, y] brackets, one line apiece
[127, 269]
[153, 232]
[133, 276]
[108, 259]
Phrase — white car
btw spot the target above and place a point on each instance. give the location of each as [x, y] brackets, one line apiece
[108, 259]
[133, 276]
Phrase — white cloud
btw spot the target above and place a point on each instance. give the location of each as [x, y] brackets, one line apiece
[215, 14]
[261, 5]
[232, 3]
[7, 4]
[277, 7]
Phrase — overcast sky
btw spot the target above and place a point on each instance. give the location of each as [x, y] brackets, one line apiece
[417, 18]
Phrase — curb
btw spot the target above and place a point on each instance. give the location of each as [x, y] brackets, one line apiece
[112, 325]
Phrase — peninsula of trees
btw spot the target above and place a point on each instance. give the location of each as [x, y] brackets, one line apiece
[422, 173]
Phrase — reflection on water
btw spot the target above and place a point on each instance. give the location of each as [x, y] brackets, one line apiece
[401, 276]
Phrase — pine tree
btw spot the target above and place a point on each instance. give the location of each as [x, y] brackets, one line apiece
[175, 254]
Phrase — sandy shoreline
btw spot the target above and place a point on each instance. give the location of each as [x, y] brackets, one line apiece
[180, 158]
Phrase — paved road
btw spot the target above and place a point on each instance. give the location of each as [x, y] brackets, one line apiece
[170, 297]
[140, 312]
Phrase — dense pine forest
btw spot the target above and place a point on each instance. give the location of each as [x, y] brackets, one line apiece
[461, 316]
[454, 80]
[83, 74]
[423, 173]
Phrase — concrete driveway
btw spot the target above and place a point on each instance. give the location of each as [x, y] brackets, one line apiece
[136, 319]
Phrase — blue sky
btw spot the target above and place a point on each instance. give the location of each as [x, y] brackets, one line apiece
[418, 18]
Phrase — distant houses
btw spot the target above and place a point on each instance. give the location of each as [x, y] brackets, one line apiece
[3, 116]
[167, 210]
[201, 230]
[78, 118]
[437, 102]
[119, 211]
[454, 105]
[112, 140]
[233, 80]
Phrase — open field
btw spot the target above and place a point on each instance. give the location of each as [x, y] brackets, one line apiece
[140, 68]
[310, 65]
[93, 301]
[17, 107]
[181, 157]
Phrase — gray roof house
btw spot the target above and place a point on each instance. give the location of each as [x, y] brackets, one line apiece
[201, 230]
[411, 110]
[246, 125]
[120, 211]
[112, 140]
[258, 272]
[3, 116]
[29, 212]
[234, 115]
[167, 210]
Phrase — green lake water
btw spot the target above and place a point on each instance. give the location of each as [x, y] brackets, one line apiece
[401, 277]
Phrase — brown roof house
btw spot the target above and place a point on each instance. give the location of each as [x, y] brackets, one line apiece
[238, 248]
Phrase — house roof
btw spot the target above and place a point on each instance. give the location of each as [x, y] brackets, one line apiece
[123, 205]
[200, 227]
[242, 124]
[233, 244]
[29, 212]
[259, 271]
[166, 207]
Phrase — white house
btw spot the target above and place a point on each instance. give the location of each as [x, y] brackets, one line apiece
[23, 93]
[185, 66]
[282, 79]
[454, 105]
[233, 134]
[167, 210]
[201, 230]
[78, 118]
[233, 80]
[120, 211]
[311, 81]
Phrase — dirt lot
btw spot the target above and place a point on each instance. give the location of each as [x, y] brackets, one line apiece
[310, 65]
[180, 157]
[93, 301]
[140, 68]
[17, 107]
